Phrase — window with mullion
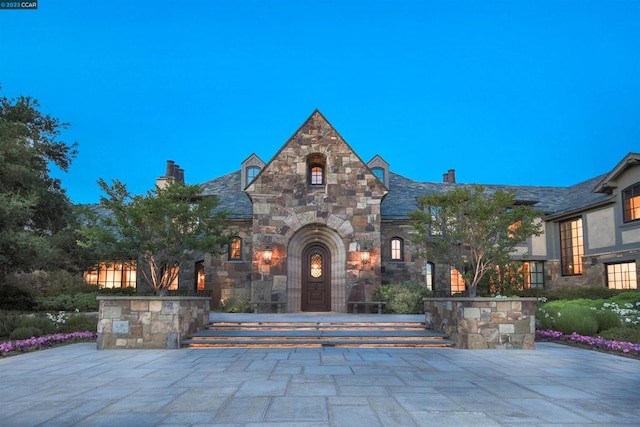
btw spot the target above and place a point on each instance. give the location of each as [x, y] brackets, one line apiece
[571, 247]
[623, 275]
[397, 249]
[631, 203]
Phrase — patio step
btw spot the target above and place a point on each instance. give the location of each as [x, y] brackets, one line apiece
[316, 331]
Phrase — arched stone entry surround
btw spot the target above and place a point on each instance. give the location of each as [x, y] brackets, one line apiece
[305, 236]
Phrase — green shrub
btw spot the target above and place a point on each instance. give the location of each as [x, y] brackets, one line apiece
[622, 333]
[383, 293]
[402, 298]
[79, 323]
[9, 320]
[117, 291]
[16, 298]
[582, 293]
[607, 319]
[61, 282]
[25, 333]
[577, 319]
[45, 325]
[235, 305]
[85, 302]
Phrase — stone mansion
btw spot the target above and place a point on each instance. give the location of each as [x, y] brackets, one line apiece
[316, 227]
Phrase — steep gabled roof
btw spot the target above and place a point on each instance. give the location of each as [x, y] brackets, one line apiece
[231, 196]
[607, 183]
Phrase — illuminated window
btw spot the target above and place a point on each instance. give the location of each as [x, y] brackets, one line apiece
[571, 247]
[457, 281]
[113, 275]
[631, 203]
[534, 274]
[316, 265]
[513, 227]
[378, 172]
[171, 275]
[235, 249]
[252, 172]
[397, 249]
[316, 175]
[200, 276]
[622, 276]
[316, 165]
[429, 269]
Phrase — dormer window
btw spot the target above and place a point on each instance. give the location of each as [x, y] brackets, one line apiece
[316, 164]
[252, 172]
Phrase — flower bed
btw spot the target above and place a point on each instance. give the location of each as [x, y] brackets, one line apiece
[37, 343]
[597, 343]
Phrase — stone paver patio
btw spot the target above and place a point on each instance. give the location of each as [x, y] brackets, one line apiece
[77, 385]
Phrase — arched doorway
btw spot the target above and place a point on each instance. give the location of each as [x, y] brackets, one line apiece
[316, 278]
[303, 240]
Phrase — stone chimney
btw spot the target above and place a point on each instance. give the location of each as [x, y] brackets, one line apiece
[172, 172]
[449, 177]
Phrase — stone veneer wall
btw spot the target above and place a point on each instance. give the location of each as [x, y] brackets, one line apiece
[484, 323]
[149, 322]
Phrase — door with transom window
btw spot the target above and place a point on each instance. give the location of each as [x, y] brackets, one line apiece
[316, 278]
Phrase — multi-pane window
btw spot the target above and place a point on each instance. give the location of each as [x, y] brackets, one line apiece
[171, 275]
[113, 275]
[200, 276]
[429, 269]
[252, 172]
[571, 247]
[235, 249]
[622, 276]
[316, 175]
[533, 274]
[631, 203]
[397, 249]
[457, 281]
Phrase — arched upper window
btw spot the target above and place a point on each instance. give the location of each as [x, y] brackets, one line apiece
[235, 249]
[252, 172]
[397, 249]
[316, 165]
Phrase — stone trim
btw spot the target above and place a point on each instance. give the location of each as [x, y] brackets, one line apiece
[484, 323]
[149, 322]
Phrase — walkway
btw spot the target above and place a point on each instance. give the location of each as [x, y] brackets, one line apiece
[553, 385]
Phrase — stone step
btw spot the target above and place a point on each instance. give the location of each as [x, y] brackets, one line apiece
[240, 334]
[318, 343]
[314, 326]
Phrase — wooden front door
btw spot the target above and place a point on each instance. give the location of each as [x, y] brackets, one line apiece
[316, 278]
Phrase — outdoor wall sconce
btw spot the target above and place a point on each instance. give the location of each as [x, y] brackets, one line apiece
[266, 255]
[364, 256]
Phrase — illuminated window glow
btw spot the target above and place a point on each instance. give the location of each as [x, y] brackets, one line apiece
[457, 281]
[316, 175]
[316, 265]
[572, 247]
[631, 203]
[622, 276]
[397, 249]
[113, 275]
[235, 249]
[534, 274]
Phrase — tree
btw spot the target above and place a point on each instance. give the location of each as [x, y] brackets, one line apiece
[471, 230]
[161, 229]
[34, 207]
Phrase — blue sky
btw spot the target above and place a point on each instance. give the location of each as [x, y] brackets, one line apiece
[505, 92]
